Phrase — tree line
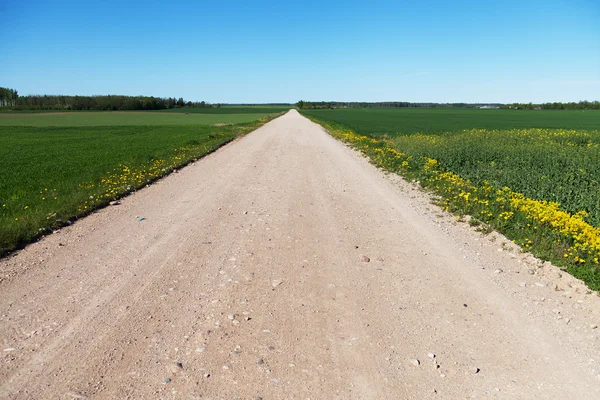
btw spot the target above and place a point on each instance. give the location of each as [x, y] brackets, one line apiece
[10, 99]
[387, 104]
[581, 105]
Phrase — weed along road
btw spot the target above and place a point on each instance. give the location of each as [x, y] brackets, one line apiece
[285, 266]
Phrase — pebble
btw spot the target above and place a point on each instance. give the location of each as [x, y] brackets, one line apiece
[200, 350]
[167, 380]
[365, 259]
[415, 362]
[475, 370]
[522, 284]
[594, 326]
[498, 271]
[115, 203]
[207, 375]
[276, 282]
[531, 272]
[225, 367]
[260, 361]
[275, 380]
[431, 355]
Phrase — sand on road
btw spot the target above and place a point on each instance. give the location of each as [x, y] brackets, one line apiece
[283, 266]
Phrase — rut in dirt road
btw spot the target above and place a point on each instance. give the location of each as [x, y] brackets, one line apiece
[286, 266]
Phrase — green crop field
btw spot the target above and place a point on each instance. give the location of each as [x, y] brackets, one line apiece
[50, 174]
[121, 118]
[230, 110]
[533, 175]
[378, 122]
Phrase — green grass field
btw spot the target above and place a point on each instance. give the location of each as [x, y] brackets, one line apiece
[50, 174]
[122, 118]
[378, 122]
[533, 175]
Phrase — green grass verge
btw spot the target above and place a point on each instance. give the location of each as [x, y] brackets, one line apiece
[542, 227]
[49, 176]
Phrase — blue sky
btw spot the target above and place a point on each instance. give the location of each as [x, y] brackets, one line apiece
[274, 51]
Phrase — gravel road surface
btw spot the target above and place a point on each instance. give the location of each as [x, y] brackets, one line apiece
[285, 266]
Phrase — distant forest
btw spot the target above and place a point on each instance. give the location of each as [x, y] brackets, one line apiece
[9, 99]
[389, 104]
[582, 105]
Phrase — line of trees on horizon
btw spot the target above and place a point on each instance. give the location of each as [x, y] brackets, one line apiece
[581, 105]
[9, 99]
[388, 104]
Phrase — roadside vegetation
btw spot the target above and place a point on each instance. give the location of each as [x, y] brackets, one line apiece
[50, 175]
[538, 186]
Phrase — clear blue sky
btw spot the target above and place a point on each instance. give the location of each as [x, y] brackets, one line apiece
[282, 51]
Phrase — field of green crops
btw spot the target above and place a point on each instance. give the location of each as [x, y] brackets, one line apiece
[386, 122]
[230, 110]
[57, 166]
[533, 175]
[128, 118]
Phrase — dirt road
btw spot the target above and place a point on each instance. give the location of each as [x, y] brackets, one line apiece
[286, 266]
